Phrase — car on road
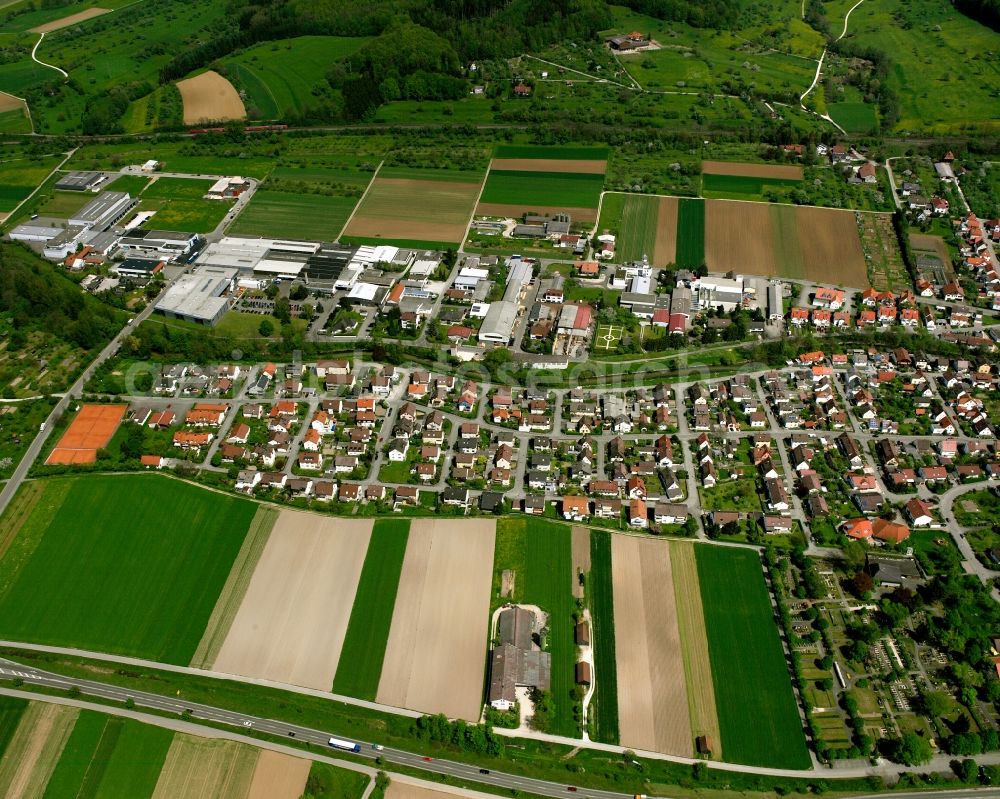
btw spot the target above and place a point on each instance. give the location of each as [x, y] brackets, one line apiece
[378, 747]
[247, 723]
[427, 759]
[571, 788]
[484, 771]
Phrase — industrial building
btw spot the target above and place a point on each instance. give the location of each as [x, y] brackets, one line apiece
[171, 244]
[80, 181]
[202, 296]
[498, 324]
[106, 209]
[138, 267]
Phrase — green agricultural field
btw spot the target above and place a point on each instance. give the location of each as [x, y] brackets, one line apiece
[758, 714]
[544, 151]
[278, 214]
[361, 658]
[541, 189]
[638, 227]
[283, 78]
[107, 757]
[690, 233]
[329, 782]
[131, 565]
[612, 208]
[11, 710]
[602, 611]
[739, 187]
[20, 177]
[419, 173]
[15, 121]
[179, 205]
[539, 552]
[856, 117]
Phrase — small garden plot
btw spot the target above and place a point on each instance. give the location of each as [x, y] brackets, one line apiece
[880, 248]
[607, 338]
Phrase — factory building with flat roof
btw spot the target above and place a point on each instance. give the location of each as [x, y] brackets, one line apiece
[106, 209]
[203, 296]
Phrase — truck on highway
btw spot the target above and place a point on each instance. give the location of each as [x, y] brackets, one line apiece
[347, 746]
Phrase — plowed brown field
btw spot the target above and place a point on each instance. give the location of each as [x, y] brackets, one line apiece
[774, 171]
[831, 246]
[738, 237]
[425, 210]
[209, 97]
[72, 19]
[278, 776]
[652, 689]
[580, 166]
[435, 655]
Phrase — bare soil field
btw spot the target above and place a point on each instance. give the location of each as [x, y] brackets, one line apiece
[514, 211]
[72, 19]
[694, 645]
[8, 102]
[581, 557]
[278, 776]
[425, 210]
[579, 166]
[665, 251]
[204, 768]
[773, 171]
[209, 97]
[652, 690]
[934, 244]
[435, 656]
[738, 236]
[235, 589]
[831, 247]
[34, 749]
[290, 626]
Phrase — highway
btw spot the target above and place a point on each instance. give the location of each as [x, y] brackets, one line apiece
[10, 670]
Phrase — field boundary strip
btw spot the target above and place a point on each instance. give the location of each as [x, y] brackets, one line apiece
[18, 512]
[235, 589]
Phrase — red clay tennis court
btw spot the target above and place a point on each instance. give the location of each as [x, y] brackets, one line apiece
[91, 430]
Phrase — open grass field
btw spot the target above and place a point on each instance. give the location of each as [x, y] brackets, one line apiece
[421, 205]
[800, 242]
[942, 62]
[652, 689]
[690, 247]
[34, 748]
[179, 205]
[758, 715]
[128, 759]
[281, 78]
[129, 564]
[209, 97]
[290, 626]
[604, 704]
[694, 646]
[287, 215]
[855, 117]
[329, 782]
[435, 655]
[14, 120]
[739, 187]
[18, 178]
[361, 657]
[90, 431]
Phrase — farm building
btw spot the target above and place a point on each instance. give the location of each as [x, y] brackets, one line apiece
[498, 326]
[583, 673]
[516, 663]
